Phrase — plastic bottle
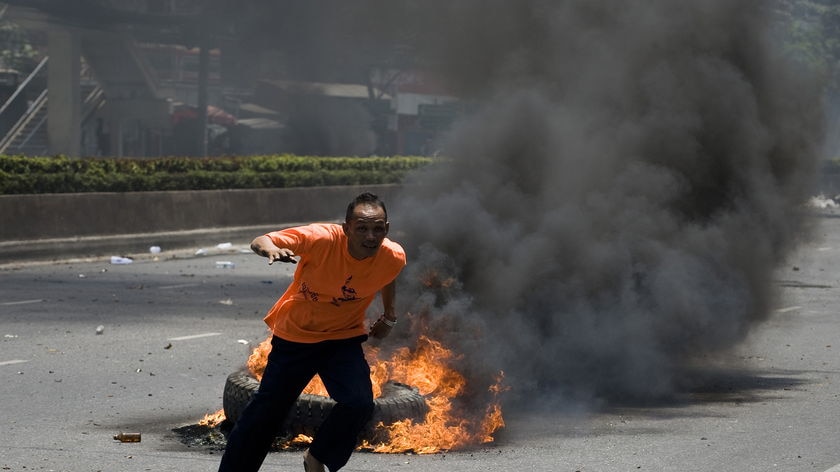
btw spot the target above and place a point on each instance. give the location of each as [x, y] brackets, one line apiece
[127, 437]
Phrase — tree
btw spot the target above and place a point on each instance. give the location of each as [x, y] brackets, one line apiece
[16, 50]
[810, 34]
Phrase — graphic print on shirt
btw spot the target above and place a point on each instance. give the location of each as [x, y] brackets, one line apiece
[304, 289]
[347, 293]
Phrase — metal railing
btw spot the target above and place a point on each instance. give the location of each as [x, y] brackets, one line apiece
[26, 124]
[19, 95]
[18, 111]
[23, 124]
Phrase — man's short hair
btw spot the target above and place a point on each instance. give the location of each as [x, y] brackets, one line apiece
[365, 198]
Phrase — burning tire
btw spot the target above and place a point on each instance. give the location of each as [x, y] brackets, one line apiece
[397, 402]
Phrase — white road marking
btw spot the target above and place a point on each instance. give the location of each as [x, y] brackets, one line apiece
[13, 361]
[790, 308]
[22, 302]
[167, 287]
[194, 336]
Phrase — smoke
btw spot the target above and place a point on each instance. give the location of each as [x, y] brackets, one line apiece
[324, 128]
[615, 206]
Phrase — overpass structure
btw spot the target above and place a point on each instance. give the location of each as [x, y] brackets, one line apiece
[97, 92]
[120, 75]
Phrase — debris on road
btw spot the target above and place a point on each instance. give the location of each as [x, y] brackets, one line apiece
[822, 202]
[127, 437]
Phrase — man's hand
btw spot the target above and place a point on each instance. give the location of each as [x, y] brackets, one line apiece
[263, 246]
[282, 255]
[382, 327]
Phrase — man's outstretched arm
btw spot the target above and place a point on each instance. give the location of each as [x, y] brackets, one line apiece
[264, 246]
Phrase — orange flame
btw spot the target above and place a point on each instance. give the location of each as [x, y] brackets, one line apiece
[213, 419]
[443, 428]
[429, 368]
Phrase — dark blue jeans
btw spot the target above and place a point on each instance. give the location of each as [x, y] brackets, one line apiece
[346, 375]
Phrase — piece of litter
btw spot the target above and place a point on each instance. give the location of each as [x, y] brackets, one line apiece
[168, 346]
[225, 265]
[242, 341]
[10, 336]
[226, 302]
[121, 260]
[201, 252]
[100, 329]
[154, 249]
[128, 437]
[820, 201]
[224, 246]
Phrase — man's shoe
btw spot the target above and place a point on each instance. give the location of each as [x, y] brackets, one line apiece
[311, 464]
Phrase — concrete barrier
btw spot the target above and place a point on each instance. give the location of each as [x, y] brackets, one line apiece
[52, 226]
[84, 225]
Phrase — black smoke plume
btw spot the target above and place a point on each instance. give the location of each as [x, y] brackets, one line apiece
[615, 205]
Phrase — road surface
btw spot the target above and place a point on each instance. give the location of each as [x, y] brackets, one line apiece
[89, 349]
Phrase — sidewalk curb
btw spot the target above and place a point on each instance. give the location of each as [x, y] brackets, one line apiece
[136, 246]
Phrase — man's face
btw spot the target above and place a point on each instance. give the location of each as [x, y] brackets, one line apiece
[365, 230]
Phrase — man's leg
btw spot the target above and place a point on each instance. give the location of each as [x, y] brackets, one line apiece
[290, 367]
[346, 374]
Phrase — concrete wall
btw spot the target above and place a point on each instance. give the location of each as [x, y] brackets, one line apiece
[50, 226]
[62, 226]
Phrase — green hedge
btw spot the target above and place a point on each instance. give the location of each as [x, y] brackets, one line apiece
[26, 175]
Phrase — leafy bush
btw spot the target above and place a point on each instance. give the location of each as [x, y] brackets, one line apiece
[27, 175]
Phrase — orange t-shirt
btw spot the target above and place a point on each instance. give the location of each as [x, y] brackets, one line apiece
[331, 290]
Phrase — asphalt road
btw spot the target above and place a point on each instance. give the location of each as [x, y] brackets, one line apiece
[172, 329]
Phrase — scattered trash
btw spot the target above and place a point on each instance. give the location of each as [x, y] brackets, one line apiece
[242, 341]
[127, 437]
[201, 252]
[168, 346]
[121, 260]
[154, 249]
[203, 436]
[821, 201]
[100, 329]
[225, 265]
[81, 276]
[10, 336]
[226, 302]
[224, 246]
